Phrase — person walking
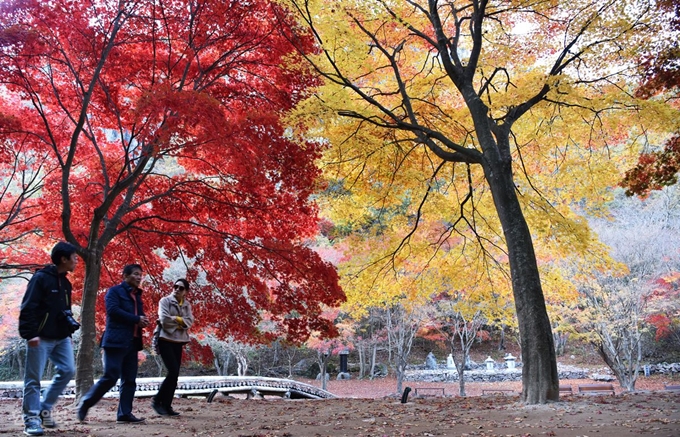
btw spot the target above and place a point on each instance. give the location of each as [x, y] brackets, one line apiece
[174, 320]
[121, 341]
[46, 322]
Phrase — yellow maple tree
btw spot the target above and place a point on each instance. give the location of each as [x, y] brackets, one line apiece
[494, 124]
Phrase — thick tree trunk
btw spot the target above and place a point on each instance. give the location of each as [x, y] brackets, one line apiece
[85, 355]
[539, 363]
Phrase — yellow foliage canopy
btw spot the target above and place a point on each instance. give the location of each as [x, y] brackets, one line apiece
[414, 225]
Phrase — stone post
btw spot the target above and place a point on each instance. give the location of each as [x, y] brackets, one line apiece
[344, 374]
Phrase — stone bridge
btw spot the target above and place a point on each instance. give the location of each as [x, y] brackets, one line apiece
[207, 386]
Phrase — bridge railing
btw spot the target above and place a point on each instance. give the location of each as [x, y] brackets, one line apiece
[252, 386]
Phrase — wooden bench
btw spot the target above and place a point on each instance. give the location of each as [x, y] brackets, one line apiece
[429, 391]
[596, 389]
[673, 387]
[566, 390]
[504, 391]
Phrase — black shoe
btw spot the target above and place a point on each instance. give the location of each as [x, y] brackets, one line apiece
[130, 419]
[82, 412]
[171, 412]
[159, 409]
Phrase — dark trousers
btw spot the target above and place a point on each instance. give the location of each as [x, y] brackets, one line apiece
[118, 363]
[171, 353]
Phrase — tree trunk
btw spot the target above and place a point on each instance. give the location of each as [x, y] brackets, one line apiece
[242, 364]
[461, 380]
[401, 369]
[362, 365]
[290, 355]
[85, 356]
[225, 364]
[560, 342]
[539, 364]
[627, 377]
[323, 362]
[373, 358]
[159, 364]
[460, 368]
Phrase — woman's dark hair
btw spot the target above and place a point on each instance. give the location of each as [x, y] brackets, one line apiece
[62, 249]
[184, 282]
[128, 269]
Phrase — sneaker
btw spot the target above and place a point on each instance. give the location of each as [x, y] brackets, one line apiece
[172, 412]
[159, 409]
[130, 419]
[47, 419]
[33, 427]
[82, 412]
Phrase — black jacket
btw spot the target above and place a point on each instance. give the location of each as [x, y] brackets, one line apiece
[47, 296]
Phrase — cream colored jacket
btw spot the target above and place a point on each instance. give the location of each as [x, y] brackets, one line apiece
[168, 311]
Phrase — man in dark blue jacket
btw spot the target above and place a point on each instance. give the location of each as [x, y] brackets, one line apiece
[122, 340]
[46, 322]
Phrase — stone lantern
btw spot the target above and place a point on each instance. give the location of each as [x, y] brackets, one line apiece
[510, 361]
[490, 364]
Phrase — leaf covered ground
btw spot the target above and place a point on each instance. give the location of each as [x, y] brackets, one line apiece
[362, 409]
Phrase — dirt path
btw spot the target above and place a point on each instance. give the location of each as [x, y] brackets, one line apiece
[362, 410]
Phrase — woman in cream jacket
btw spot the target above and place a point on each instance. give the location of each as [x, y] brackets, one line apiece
[174, 315]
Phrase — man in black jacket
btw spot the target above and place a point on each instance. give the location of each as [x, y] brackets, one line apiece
[46, 322]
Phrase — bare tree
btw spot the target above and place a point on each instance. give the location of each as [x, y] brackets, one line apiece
[460, 325]
[322, 357]
[370, 335]
[290, 352]
[616, 314]
[644, 236]
[402, 324]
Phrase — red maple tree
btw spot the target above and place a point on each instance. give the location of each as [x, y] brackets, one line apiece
[161, 124]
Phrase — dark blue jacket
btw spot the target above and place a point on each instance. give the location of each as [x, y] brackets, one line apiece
[48, 294]
[121, 320]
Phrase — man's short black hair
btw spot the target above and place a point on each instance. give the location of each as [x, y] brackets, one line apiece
[62, 249]
[128, 269]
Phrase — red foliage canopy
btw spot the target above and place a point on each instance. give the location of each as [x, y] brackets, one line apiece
[160, 121]
[654, 170]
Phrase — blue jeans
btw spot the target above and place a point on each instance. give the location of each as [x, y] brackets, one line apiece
[60, 352]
